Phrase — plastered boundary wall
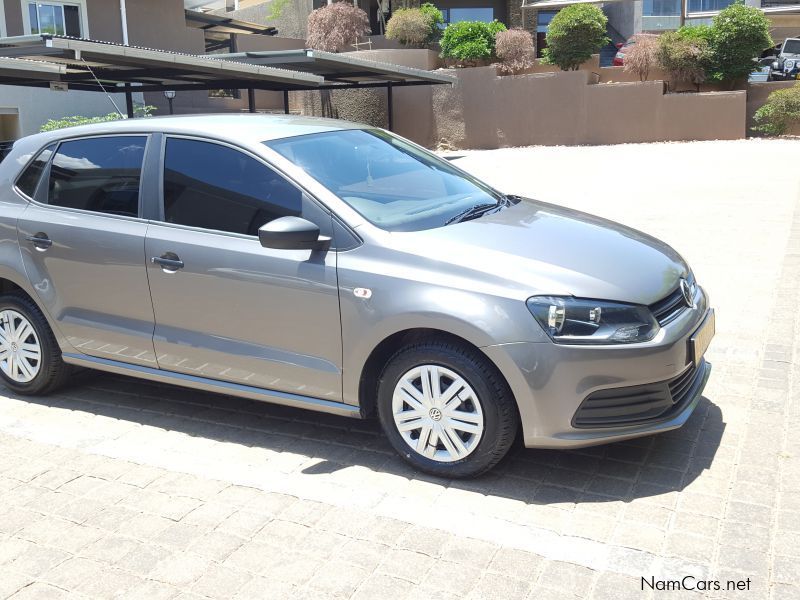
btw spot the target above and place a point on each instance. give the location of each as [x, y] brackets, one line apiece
[484, 110]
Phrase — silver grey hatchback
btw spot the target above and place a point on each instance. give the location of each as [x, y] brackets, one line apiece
[337, 267]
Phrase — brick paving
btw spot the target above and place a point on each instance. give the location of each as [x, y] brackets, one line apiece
[120, 488]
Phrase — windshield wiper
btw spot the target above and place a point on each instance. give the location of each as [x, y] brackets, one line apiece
[476, 211]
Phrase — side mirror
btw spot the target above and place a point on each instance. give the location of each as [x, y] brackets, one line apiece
[292, 233]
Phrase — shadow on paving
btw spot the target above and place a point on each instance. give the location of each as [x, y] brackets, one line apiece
[624, 471]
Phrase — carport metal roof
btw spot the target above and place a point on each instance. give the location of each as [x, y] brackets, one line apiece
[103, 66]
[220, 24]
[341, 70]
[40, 60]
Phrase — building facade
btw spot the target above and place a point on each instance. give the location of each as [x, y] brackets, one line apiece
[160, 24]
[629, 17]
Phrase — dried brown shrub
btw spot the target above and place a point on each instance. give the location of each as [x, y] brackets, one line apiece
[409, 26]
[642, 56]
[336, 26]
[515, 50]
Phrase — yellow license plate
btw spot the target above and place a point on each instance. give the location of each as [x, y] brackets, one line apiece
[701, 338]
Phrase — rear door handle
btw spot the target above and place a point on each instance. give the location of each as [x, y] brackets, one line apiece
[40, 240]
[168, 264]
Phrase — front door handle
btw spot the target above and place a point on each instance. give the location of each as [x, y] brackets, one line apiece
[168, 263]
[40, 240]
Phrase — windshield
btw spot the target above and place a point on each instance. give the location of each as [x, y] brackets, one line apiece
[392, 184]
[791, 47]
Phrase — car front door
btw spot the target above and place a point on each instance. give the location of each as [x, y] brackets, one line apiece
[227, 308]
[82, 243]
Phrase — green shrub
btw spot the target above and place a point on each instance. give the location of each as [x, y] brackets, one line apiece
[63, 122]
[685, 54]
[415, 26]
[574, 34]
[436, 19]
[469, 41]
[738, 35]
[781, 111]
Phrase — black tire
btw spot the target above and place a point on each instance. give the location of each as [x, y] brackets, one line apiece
[53, 371]
[500, 416]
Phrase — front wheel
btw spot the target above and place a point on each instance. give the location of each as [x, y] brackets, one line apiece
[446, 409]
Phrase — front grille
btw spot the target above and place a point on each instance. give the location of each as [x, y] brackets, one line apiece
[635, 405]
[669, 308]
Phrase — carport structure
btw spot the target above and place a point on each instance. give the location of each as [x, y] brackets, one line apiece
[49, 60]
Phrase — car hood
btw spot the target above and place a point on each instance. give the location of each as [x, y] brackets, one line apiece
[539, 248]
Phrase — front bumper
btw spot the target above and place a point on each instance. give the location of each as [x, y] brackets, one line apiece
[552, 381]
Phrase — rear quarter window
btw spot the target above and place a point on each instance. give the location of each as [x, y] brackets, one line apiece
[29, 179]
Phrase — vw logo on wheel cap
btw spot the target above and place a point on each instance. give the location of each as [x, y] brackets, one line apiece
[435, 414]
[688, 293]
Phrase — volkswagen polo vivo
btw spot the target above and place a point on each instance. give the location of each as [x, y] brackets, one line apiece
[332, 266]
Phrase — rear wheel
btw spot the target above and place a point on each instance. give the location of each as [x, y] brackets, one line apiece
[30, 359]
[446, 409]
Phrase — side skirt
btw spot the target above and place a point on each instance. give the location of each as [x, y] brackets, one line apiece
[213, 385]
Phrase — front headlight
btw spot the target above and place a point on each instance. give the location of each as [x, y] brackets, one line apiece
[788, 65]
[570, 320]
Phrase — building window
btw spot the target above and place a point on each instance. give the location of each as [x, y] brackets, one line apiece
[456, 15]
[661, 8]
[701, 6]
[543, 18]
[54, 18]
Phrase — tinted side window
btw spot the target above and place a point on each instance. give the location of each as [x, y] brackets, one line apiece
[29, 179]
[215, 187]
[98, 174]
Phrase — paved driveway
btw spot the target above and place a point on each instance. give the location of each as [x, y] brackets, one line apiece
[116, 487]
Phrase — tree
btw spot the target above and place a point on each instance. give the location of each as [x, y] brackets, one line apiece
[469, 41]
[574, 34]
[336, 26]
[642, 55]
[515, 50]
[739, 34]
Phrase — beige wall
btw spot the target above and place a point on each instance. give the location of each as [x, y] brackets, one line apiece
[412, 57]
[484, 110]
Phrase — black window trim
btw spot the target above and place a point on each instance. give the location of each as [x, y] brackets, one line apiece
[28, 164]
[46, 174]
[156, 213]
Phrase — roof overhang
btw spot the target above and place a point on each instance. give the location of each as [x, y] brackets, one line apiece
[101, 66]
[558, 4]
[341, 69]
[782, 10]
[220, 24]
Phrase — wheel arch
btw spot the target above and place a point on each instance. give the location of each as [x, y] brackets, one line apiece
[11, 281]
[388, 346]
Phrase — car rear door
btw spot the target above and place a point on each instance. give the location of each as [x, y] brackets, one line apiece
[227, 308]
[82, 243]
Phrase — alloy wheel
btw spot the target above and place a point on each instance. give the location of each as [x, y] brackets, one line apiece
[437, 413]
[20, 350]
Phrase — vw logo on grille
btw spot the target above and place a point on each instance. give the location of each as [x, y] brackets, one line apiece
[688, 293]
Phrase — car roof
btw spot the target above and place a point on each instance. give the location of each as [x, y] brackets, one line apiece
[236, 127]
